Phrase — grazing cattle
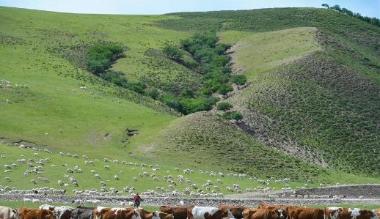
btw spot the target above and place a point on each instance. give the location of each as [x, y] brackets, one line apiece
[82, 213]
[235, 211]
[117, 213]
[30, 213]
[305, 213]
[63, 212]
[100, 211]
[148, 215]
[7, 213]
[265, 213]
[208, 213]
[248, 212]
[334, 212]
[357, 213]
[177, 212]
[348, 213]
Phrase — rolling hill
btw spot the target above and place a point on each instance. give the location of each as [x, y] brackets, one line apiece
[310, 106]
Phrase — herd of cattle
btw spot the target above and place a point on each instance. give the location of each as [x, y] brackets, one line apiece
[263, 211]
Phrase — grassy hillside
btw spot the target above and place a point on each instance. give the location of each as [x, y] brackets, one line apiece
[323, 108]
[49, 100]
[310, 112]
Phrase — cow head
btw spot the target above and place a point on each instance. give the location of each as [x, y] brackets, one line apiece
[333, 212]
[281, 213]
[14, 214]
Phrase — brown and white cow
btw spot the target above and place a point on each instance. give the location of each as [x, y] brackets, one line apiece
[31, 213]
[236, 211]
[198, 212]
[116, 213]
[7, 213]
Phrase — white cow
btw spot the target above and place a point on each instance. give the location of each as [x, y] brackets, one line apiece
[8, 213]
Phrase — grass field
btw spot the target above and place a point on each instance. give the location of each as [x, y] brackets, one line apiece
[256, 53]
[48, 99]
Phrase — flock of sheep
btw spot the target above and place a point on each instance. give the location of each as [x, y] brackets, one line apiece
[178, 184]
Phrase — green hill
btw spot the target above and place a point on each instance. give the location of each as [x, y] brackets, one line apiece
[310, 106]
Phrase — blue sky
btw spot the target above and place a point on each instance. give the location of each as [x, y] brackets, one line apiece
[366, 7]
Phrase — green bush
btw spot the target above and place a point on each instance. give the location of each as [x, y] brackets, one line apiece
[138, 87]
[225, 88]
[115, 77]
[191, 105]
[239, 79]
[153, 93]
[101, 55]
[224, 106]
[233, 115]
[173, 52]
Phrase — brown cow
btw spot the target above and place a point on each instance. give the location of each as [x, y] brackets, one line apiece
[177, 212]
[236, 211]
[265, 213]
[30, 213]
[305, 213]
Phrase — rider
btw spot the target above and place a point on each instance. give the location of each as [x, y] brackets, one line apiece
[137, 199]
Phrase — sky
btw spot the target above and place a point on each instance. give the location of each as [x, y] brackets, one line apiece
[369, 8]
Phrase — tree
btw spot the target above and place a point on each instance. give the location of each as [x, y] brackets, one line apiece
[336, 7]
[325, 5]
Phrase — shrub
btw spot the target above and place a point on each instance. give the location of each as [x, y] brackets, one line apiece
[239, 79]
[225, 88]
[233, 115]
[224, 106]
[153, 93]
[173, 52]
[115, 77]
[191, 105]
[101, 55]
[138, 87]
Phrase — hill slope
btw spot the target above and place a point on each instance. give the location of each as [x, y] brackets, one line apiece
[310, 107]
[324, 107]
